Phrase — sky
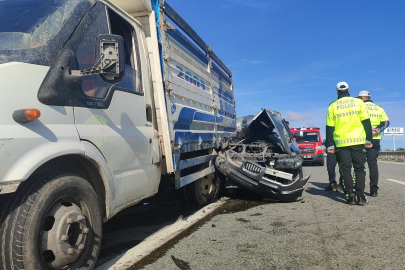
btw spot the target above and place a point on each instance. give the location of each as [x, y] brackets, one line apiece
[288, 55]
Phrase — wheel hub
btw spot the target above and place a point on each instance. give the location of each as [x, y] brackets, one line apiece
[64, 234]
[207, 186]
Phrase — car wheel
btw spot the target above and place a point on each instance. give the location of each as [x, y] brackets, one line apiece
[53, 222]
[322, 163]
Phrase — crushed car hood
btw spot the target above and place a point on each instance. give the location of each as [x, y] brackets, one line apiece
[265, 119]
[263, 158]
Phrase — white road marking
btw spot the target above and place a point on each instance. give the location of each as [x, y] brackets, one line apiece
[156, 240]
[401, 163]
[396, 181]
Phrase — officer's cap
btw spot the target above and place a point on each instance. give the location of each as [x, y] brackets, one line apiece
[342, 86]
[364, 93]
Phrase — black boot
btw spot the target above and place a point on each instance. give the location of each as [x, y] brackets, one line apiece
[361, 201]
[332, 187]
[352, 199]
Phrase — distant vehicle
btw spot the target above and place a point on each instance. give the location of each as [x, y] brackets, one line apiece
[265, 160]
[310, 145]
[99, 100]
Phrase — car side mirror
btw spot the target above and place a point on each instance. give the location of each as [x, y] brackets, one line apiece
[110, 55]
[298, 134]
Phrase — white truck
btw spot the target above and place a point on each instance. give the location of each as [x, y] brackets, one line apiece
[99, 100]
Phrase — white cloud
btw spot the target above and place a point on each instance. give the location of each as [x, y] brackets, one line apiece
[295, 116]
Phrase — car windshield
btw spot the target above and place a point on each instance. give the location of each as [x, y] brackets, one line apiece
[33, 25]
[309, 137]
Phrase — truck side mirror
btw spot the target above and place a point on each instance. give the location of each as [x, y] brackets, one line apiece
[110, 55]
[324, 142]
[298, 134]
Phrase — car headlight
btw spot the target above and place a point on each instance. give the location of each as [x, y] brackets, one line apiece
[288, 163]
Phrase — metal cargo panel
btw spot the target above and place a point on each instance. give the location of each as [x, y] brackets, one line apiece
[199, 88]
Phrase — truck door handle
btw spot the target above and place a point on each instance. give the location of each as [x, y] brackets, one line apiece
[149, 113]
[150, 140]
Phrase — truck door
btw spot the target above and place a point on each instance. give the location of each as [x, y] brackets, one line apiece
[118, 119]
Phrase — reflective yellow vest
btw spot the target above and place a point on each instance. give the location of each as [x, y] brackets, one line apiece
[377, 115]
[346, 114]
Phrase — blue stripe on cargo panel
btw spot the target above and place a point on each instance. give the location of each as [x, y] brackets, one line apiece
[225, 95]
[191, 141]
[180, 38]
[187, 115]
[221, 74]
[204, 117]
[226, 129]
[225, 107]
[185, 119]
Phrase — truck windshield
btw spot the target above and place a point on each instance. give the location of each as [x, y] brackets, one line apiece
[32, 25]
[309, 137]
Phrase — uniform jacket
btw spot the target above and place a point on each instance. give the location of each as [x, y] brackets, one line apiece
[378, 118]
[347, 122]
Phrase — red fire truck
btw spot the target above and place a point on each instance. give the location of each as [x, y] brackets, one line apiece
[310, 145]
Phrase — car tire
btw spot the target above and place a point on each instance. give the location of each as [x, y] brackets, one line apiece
[322, 163]
[52, 221]
[203, 191]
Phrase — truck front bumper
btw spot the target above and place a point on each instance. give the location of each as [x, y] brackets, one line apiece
[257, 182]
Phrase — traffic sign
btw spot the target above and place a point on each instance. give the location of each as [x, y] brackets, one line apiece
[394, 131]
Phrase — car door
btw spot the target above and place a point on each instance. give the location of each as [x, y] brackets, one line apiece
[116, 119]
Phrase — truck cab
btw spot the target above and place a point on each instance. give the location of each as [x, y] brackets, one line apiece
[310, 144]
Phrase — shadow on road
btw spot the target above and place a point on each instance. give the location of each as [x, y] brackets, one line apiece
[319, 190]
[133, 225]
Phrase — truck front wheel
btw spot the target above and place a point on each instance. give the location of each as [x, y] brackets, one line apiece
[52, 222]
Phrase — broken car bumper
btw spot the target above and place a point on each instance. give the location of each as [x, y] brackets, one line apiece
[255, 178]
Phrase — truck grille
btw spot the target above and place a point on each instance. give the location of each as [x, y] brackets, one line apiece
[252, 168]
[307, 150]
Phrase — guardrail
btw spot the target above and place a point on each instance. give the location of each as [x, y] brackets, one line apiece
[398, 156]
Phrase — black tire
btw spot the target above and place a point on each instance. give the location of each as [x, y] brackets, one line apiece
[322, 163]
[199, 193]
[27, 221]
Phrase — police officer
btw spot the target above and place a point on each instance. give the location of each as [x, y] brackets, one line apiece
[379, 122]
[331, 161]
[348, 134]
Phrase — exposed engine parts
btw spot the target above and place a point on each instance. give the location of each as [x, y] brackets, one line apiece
[262, 159]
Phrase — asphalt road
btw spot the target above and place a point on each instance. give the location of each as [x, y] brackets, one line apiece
[320, 231]
[133, 225]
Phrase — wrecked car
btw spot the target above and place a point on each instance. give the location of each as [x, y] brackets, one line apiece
[264, 158]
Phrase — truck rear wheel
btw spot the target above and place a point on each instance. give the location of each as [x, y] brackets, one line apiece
[203, 191]
[52, 222]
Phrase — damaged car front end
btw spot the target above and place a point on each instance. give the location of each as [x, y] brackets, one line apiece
[264, 158]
